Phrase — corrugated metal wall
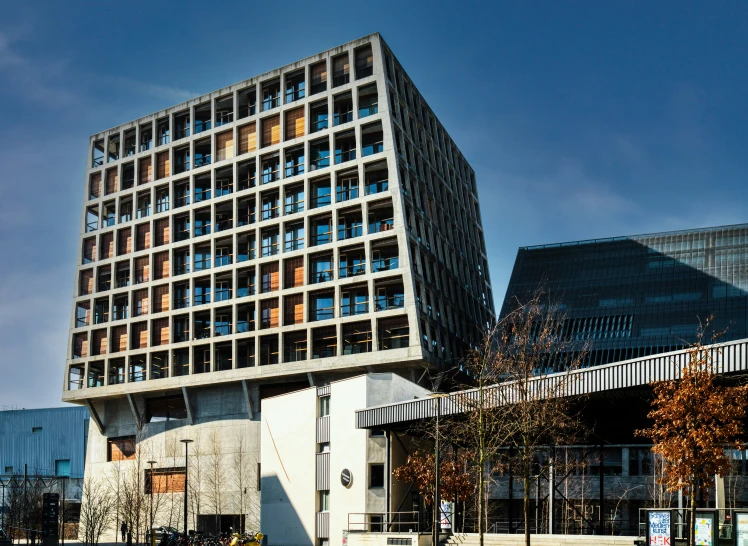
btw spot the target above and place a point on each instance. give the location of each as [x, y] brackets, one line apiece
[39, 437]
[726, 358]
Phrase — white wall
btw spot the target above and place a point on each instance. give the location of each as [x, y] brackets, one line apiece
[288, 440]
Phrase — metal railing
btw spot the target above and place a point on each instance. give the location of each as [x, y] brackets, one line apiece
[385, 264]
[390, 302]
[379, 225]
[377, 186]
[352, 270]
[384, 522]
[351, 231]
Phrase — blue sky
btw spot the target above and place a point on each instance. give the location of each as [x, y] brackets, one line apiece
[581, 119]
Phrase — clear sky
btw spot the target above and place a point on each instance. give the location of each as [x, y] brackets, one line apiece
[581, 119]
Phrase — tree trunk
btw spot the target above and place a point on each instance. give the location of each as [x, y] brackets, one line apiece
[481, 506]
[526, 478]
[692, 524]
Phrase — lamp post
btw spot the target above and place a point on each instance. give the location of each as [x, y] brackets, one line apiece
[186, 467]
[151, 534]
[62, 510]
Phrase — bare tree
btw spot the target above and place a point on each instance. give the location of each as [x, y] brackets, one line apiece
[98, 509]
[243, 475]
[520, 398]
[195, 487]
[537, 348]
[215, 477]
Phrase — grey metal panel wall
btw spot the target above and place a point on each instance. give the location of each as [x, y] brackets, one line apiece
[62, 436]
[323, 471]
[323, 525]
[727, 358]
[323, 429]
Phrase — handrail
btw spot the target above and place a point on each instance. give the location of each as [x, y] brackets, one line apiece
[397, 522]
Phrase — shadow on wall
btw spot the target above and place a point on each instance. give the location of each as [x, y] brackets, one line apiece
[280, 522]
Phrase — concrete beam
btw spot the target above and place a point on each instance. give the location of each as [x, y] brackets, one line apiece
[247, 399]
[95, 416]
[135, 412]
[310, 378]
[188, 406]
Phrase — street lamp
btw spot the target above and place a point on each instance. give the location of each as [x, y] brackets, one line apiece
[62, 510]
[150, 529]
[186, 446]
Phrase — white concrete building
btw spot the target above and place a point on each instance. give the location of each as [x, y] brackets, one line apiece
[322, 476]
[305, 225]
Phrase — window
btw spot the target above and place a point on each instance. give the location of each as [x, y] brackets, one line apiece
[324, 501]
[164, 480]
[319, 151]
[321, 193]
[345, 147]
[294, 162]
[295, 86]
[121, 449]
[324, 406]
[269, 242]
[346, 187]
[36, 430]
[294, 200]
[321, 230]
[271, 169]
[364, 62]
[343, 109]
[270, 95]
[319, 115]
[368, 101]
[318, 74]
[376, 475]
[294, 237]
[372, 140]
[270, 206]
[340, 70]
[322, 306]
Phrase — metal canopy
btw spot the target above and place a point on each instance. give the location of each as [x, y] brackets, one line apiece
[728, 358]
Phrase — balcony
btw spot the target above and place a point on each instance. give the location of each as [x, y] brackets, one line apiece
[389, 295]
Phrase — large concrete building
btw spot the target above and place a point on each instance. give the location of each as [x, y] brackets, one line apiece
[644, 294]
[302, 226]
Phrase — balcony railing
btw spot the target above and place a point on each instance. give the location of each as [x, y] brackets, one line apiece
[353, 269]
[323, 313]
[385, 264]
[385, 224]
[296, 206]
[352, 309]
[385, 303]
[376, 187]
[324, 275]
[348, 232]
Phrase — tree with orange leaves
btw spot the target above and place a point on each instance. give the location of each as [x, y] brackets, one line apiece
[455, 479]
[695, 420]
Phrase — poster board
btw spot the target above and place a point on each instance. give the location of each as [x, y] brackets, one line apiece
[740, 520]
[659, 528]
[705, 529]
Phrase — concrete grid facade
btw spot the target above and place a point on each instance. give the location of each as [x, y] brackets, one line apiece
[304, 225]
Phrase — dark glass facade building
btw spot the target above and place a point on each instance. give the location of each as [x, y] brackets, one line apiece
[645, 294]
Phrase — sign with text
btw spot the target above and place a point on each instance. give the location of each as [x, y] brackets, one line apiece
[741, 528]
[704, 529]
[659, 528]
